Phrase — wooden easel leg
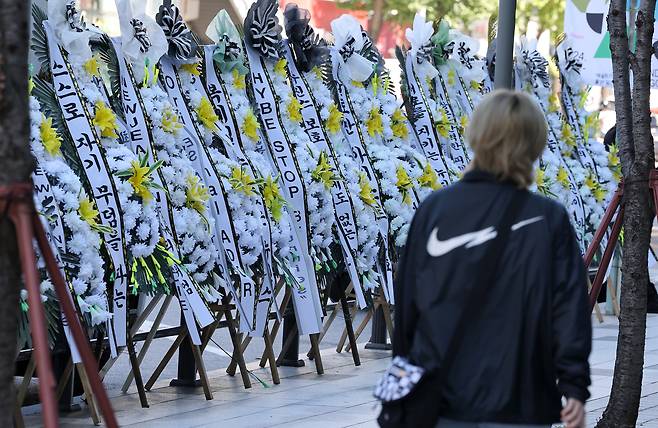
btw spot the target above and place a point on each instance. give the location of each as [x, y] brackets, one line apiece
[22, 392]
[137, 372]
[605, 260]
[270, 351]
[165, 360]
[362, 326]
[277, 324]
[325, 328]
[230, 370]
[315, 349]
[148, 340]
[88, 393]
[201, 368]
[350, 331]
[135, 328]
[613, 296]
[348, 317]
[387, 318]
[237, 350]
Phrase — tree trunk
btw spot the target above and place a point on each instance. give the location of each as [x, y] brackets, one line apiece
[376, 20]
[16, 163]
[637, 158]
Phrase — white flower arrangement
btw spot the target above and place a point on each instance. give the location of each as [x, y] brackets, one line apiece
[78, 218]
[140, 219]
[187, 195]
[250, 137]
[319, 201]
[366, 222]
[394, 181]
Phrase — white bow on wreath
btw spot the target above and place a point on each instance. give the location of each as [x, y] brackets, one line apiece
[349, 41]
[420, 38]
[143, 41]
[71, 31]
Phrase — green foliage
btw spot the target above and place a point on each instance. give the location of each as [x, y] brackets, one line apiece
[463, 13]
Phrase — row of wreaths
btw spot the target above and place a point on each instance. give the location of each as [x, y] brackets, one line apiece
[170, 167]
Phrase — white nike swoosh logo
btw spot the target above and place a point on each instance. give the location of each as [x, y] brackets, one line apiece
[436, 247]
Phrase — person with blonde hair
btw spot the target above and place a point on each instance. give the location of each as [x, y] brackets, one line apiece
[492, 327]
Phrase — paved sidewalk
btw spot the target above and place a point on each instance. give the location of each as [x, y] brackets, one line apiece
[340, 398]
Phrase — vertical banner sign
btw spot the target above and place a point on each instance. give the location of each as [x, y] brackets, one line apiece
[422, 123]
[343, 205]
[458, 151]
[98, 175]
[54, 228]
[266, 291]
[352, 133]
[586, 28]
[306, 296]
[197, 152]
[139, 137]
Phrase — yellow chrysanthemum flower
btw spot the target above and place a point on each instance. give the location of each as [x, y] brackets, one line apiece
[399, 124]
[365, 192]
[92, 67]
[583, 99]
[429, 179]
[206, 114]
[49, 138]
[192, 68]
[250, 125]
[463, 123]
[443, 124]
[139, 180]
[591, 124]
[273, 199]
[357, 84]
[475, 85]
[294, 109]
[540, 178]
[105, 120]
[280, 68]
[324, 172]
[452, 77]
[333, 123]
[568, 136]
[404, 184]
[553, 103]
[563, 177]
[599, 194]
[196, 194]
[239, 81]
[241, 181]
[30, 85]
[88, 212]
[374, 122]
[595, 187]
[318, 72]
[170, 122]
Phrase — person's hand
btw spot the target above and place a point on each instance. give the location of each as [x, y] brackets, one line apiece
[573, 414]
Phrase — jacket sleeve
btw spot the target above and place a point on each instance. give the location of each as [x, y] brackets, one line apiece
[405, 315]
[572, 328]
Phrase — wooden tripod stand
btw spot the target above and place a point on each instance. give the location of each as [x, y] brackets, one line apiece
[16, 202]
[616, 207]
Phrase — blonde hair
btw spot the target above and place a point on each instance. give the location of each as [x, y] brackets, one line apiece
[507, 134]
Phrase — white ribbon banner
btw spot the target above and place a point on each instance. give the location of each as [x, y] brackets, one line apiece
[98, 175]
[306, 298]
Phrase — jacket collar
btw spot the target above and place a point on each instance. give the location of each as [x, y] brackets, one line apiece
[478, 175]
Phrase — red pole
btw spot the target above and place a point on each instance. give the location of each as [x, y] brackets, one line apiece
[21, 213]
[79, 336]
[605, 261]
[603, 227]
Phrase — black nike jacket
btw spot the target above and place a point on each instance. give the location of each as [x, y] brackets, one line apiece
[529, 344]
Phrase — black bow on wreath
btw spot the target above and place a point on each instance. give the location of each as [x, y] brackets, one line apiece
[262, 29]
[308, 49]
[537, 66]
[75, 21]
[182, 44]
[141, 35]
